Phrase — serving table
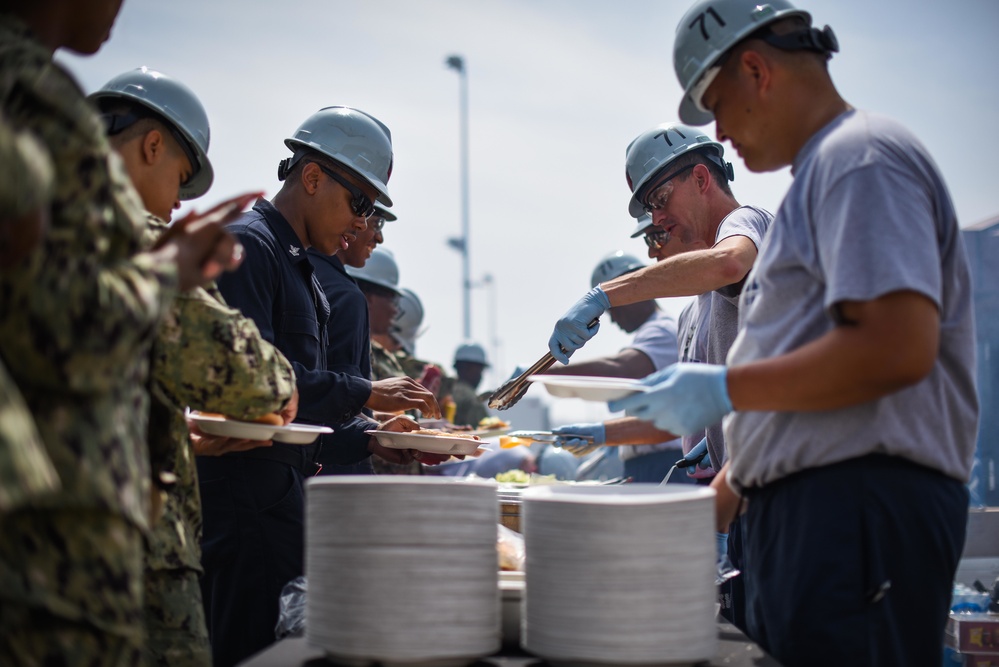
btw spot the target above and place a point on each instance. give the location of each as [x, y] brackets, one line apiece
[734, 650]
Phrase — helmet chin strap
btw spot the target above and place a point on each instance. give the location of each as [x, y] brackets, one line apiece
[284, 168]
[807, 39]
[286, 165]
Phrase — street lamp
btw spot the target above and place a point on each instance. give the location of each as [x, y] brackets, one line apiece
[457, 63]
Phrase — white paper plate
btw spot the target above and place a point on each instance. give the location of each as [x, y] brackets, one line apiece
[402, 569]
[292, 434]
[589, 388]
[432, 444]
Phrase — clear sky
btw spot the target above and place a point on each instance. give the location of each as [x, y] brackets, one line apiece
[557, 88]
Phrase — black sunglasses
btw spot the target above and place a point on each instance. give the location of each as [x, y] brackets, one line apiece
[360, 204]
[656, 239]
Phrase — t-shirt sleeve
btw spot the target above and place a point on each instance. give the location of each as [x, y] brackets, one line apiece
[657, 340]
[749, 222]
[870, 244]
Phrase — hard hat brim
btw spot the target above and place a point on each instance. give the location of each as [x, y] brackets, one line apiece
[691, 115]
[380, 283]
[201, 182]
[641, 228]
[636, 208]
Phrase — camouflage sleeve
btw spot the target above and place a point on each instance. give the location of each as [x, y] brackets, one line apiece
[88, 298]
[411, 365]
[25, 469]
[25, 172]
[210, 357]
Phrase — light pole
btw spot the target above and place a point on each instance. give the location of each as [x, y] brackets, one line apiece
[457, 63]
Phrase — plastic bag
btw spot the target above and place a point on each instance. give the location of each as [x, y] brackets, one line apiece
[291, 610]
[510, 545]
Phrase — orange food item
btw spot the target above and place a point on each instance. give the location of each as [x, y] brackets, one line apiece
[271, 418]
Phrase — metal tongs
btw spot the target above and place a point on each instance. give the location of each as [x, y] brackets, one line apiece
[513, 390]
[545, 436]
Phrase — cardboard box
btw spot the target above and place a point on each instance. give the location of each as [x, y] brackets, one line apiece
[976, 634]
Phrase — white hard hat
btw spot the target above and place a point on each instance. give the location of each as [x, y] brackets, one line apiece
[382, 212]
[178, 106]
[653, 150]
[712, 27]
[350, 137]
[380, 269]
[472, 352]
[613, 265]
[407, 323]
[644, 224]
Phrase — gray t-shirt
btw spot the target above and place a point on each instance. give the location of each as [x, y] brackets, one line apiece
[692, 337]
[656, 338]
[723, 325]
[867, 214]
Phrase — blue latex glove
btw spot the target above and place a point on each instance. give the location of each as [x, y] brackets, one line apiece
[696, 455]
[721, 546]
[684, 398]
[578, 446]
[573, 330]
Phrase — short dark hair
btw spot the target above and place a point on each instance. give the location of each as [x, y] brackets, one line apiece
[695, 157]
[304, 156]
[146, 121]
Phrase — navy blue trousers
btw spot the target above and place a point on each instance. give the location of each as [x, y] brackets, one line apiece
[652, 468]
[853, 563]
[253, 544]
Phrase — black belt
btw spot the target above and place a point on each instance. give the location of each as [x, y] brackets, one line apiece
[302, 458]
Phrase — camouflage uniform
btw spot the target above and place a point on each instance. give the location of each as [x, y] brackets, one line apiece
[384, 365]
[409, 364]
[469, 409]
[207, 356]
[25, 469]
[76, 325]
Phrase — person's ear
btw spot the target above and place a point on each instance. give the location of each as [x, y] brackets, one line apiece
[153, 146]
[310, 176]
[701, 177]
[758, 68]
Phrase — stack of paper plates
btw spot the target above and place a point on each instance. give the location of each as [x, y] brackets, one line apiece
[620, 575]
[402, 570]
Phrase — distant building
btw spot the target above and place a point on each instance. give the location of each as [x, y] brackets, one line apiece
[982, 243]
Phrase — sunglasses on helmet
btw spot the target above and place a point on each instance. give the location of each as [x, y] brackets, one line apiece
[360, 204]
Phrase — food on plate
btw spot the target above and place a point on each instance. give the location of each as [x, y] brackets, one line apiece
[492, 424]
[449, 434]
[515, 476]
[271, 418]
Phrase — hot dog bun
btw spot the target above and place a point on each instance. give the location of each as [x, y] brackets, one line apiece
[271, 418]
